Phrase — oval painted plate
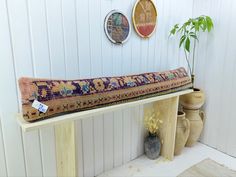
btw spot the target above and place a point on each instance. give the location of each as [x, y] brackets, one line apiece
[144, 18]
[117, 27]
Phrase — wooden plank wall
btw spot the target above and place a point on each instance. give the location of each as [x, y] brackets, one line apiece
[215, 71]
[65, 39]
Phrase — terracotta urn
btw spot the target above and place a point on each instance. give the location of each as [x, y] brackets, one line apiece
[193, 100]
[182, 132]
[195, 118]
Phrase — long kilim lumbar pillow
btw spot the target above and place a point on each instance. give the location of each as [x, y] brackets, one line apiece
[44, 98]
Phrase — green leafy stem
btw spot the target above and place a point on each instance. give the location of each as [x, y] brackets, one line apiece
[189, 32]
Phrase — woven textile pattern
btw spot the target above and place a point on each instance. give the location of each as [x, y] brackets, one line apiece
[64, 96]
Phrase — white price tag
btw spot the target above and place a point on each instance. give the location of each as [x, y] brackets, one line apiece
[40, 106]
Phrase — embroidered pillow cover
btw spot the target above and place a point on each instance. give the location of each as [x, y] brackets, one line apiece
[64, 96]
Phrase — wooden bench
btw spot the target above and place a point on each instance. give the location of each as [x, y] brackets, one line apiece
[167, 106]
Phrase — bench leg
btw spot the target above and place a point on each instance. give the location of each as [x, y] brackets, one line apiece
[65, 149]
[168, 109]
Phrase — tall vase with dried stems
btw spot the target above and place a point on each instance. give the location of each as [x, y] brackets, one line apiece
[152, 143]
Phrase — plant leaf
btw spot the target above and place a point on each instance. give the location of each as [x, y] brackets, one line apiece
[202, 23]
[176, 26]
[187, 44]
[194, 36]
[182, 39]
[209, 23]
[173, 31]
[196, 26]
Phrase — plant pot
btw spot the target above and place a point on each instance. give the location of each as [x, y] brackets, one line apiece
[193, 100]
[195, 118]
[182, 132]
[152, 146]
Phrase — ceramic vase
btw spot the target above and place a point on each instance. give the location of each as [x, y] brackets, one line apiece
[193, 100]
[152, 146]
[195, 118]
[182, 132]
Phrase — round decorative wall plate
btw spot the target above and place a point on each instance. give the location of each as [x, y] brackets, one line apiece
[144, 18]
[117, 27]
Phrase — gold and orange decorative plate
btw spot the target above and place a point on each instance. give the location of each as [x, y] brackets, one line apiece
[144, 18]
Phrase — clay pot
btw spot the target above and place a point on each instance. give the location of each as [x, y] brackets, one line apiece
[195, 118]
[193, 100]
[182, 132]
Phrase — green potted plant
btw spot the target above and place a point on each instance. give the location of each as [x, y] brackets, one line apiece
[189, 33]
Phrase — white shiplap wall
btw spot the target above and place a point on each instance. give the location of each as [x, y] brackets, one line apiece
[215, 72]
[65, 39]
